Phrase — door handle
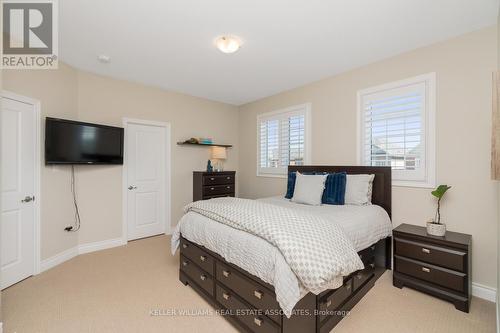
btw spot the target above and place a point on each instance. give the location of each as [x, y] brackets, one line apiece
[28, 199]
[132, 187]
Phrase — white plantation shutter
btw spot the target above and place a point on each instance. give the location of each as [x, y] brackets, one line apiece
[395, 130]
[292, 140]
[269, 143]
[282, 140]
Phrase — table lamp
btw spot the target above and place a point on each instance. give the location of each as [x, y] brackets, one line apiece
[219, 155]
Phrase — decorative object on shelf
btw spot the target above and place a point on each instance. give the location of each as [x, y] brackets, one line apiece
[219, 155]
[205, 141]
[198, 141]
[434, 226]
[195, 142]
[210, 168]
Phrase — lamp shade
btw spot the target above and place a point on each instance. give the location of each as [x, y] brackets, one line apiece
[219, 153]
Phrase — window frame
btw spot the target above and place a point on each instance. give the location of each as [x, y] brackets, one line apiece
[276, 114]
[429, 128]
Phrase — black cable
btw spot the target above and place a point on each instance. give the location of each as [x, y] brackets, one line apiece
[75, 203]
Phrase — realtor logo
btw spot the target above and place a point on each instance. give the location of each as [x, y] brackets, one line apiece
[29, 34]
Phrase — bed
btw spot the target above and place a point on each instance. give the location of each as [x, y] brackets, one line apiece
[249, 281]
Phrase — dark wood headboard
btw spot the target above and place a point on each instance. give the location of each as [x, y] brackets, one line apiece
[382, 188]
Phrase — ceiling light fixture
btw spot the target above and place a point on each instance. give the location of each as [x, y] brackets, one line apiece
[104, 58]
[228, 44]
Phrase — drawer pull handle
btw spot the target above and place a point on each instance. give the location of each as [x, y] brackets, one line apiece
[226, 296]
[425, 269]
[203, 258]
[258, 294]
[226, 273]
[211, 189]
[372, 248]
[212, 178]
[424, 250]
[185, 263]
[328, 303]
[184, 246]
[257, 321]
[229, 187]
[228, 178]
[372, 265]
[203, 277]
[348, 287]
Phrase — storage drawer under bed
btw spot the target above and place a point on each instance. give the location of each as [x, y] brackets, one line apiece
[199, 256]
[250, 291]
[359, 278]
[199, 276]
[253, 319]
[335, 299]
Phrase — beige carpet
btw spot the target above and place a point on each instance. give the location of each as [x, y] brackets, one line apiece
[116, 290]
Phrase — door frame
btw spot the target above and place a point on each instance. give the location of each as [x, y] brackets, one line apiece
[37, 170]
[167, 222]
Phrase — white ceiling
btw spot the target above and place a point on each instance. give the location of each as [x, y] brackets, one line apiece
[287, 43]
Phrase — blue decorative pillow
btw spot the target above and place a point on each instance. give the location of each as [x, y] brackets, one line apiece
[290, 186]
[334, 193]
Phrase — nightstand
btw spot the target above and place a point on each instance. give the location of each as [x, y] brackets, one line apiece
[439, 266]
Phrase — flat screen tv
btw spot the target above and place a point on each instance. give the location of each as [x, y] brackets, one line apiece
[73, 142]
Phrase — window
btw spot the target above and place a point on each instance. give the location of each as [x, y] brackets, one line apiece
[282, 140]
[397, 129]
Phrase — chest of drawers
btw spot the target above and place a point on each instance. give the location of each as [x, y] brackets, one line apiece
[208, 185]
[439, 266]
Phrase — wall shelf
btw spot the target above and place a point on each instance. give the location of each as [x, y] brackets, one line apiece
[203, 144]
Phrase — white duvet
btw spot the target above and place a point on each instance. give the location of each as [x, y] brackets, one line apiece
[363, 225]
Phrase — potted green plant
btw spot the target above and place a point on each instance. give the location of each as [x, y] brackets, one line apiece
[434, 226]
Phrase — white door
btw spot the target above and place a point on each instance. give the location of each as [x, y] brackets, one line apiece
[146, 174]
[18, 186]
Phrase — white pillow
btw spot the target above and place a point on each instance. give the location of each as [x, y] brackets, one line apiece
[358, 189]
[309, 189]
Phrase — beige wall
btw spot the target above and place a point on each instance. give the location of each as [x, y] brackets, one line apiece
[57, 92]
[107, 101]
[463, 67]
[72, 94]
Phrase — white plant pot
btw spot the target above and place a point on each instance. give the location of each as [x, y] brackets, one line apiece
[435, 229]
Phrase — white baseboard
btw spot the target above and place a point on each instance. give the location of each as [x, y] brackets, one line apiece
[81, 249]
[484, 292]
[1, 327]
[58, 259]
[101, 245]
